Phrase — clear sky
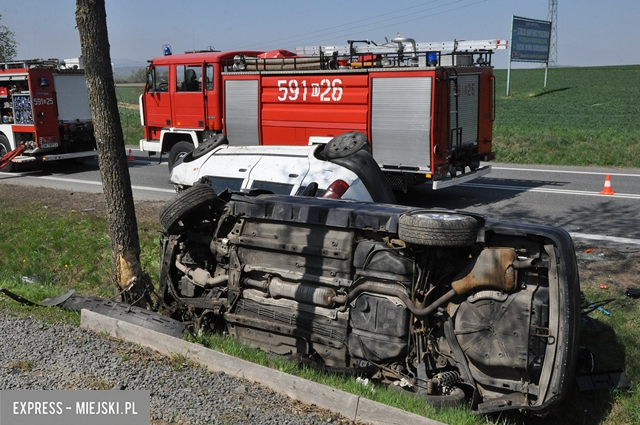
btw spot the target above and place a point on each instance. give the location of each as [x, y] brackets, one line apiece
[590, 32]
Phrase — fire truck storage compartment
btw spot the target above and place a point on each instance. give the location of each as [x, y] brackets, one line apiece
[241, 112]
[401, 122]
[463, 108]
[72, 97]
[22, 111]
[298, 106]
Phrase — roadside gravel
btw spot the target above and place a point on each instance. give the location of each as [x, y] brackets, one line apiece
[35, 355]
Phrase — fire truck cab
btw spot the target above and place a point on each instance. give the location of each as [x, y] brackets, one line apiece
[427, 109]
[45, 109]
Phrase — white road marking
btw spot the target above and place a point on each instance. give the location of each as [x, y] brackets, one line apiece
[548, 190]
[591, 173]
[605, 238]
[586, 236]
[75, 181]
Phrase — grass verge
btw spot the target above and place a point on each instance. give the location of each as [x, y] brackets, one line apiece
[585, 116]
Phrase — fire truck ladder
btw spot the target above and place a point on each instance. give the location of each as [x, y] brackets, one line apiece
[402, 46]
[455, 131]
[31, 63]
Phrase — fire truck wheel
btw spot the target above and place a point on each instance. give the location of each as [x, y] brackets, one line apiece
[345, 144]
[437, 229]
[179, 150]
[209, 145]
[5, 148]
[188, 208]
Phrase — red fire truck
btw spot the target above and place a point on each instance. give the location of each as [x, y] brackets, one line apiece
[427, 109]
[44, 110]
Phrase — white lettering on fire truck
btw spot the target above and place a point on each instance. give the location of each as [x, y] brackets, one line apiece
[326, 90]
[468, 90]
[37, 101]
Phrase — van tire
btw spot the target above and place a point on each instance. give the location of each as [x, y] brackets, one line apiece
[345, 144]
[188, 208]
[433, 228]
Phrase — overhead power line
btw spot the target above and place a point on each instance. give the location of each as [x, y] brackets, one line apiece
[387, 20]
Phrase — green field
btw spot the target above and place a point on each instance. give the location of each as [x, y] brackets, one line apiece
[128, 95]
[585, 116]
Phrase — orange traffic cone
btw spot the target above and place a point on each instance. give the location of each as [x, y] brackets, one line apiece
[607, 187]
[130, 158]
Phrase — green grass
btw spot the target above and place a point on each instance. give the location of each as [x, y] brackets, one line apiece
[350, 384]
[54, 252]
[585, 116]
[614, 344]
[128, 95]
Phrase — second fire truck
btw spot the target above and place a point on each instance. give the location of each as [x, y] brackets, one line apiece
[44, 113]
[427, 109]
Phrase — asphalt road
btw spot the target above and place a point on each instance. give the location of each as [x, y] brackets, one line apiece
[149, 177]
[568, 197]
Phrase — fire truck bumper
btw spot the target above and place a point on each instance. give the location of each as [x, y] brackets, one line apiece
[75, 155]
[23, 159]
[462, 178]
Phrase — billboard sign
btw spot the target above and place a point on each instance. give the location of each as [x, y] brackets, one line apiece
[530, 40]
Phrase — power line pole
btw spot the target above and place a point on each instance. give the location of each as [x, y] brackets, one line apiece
[553, 45]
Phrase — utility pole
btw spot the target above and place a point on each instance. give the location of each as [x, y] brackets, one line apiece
[553, 45]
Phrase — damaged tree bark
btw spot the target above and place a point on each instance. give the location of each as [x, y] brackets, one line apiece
[132, 284]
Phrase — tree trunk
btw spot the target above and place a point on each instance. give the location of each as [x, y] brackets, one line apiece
[131, 283]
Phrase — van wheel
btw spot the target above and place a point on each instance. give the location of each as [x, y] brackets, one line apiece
[178, 151]
[5, 148]
[208, 145]
[454, 399]
[187, 208]
[433, 228]
[345, 144]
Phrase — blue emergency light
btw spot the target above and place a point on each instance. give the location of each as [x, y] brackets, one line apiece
[432, 58]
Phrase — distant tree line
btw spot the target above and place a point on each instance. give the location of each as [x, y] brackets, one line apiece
[8, 44]
[137, 76]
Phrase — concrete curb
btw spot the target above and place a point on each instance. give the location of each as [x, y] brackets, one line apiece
[351, 406]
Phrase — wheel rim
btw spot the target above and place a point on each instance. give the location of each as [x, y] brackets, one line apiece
[345, 143]
[443, 216]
